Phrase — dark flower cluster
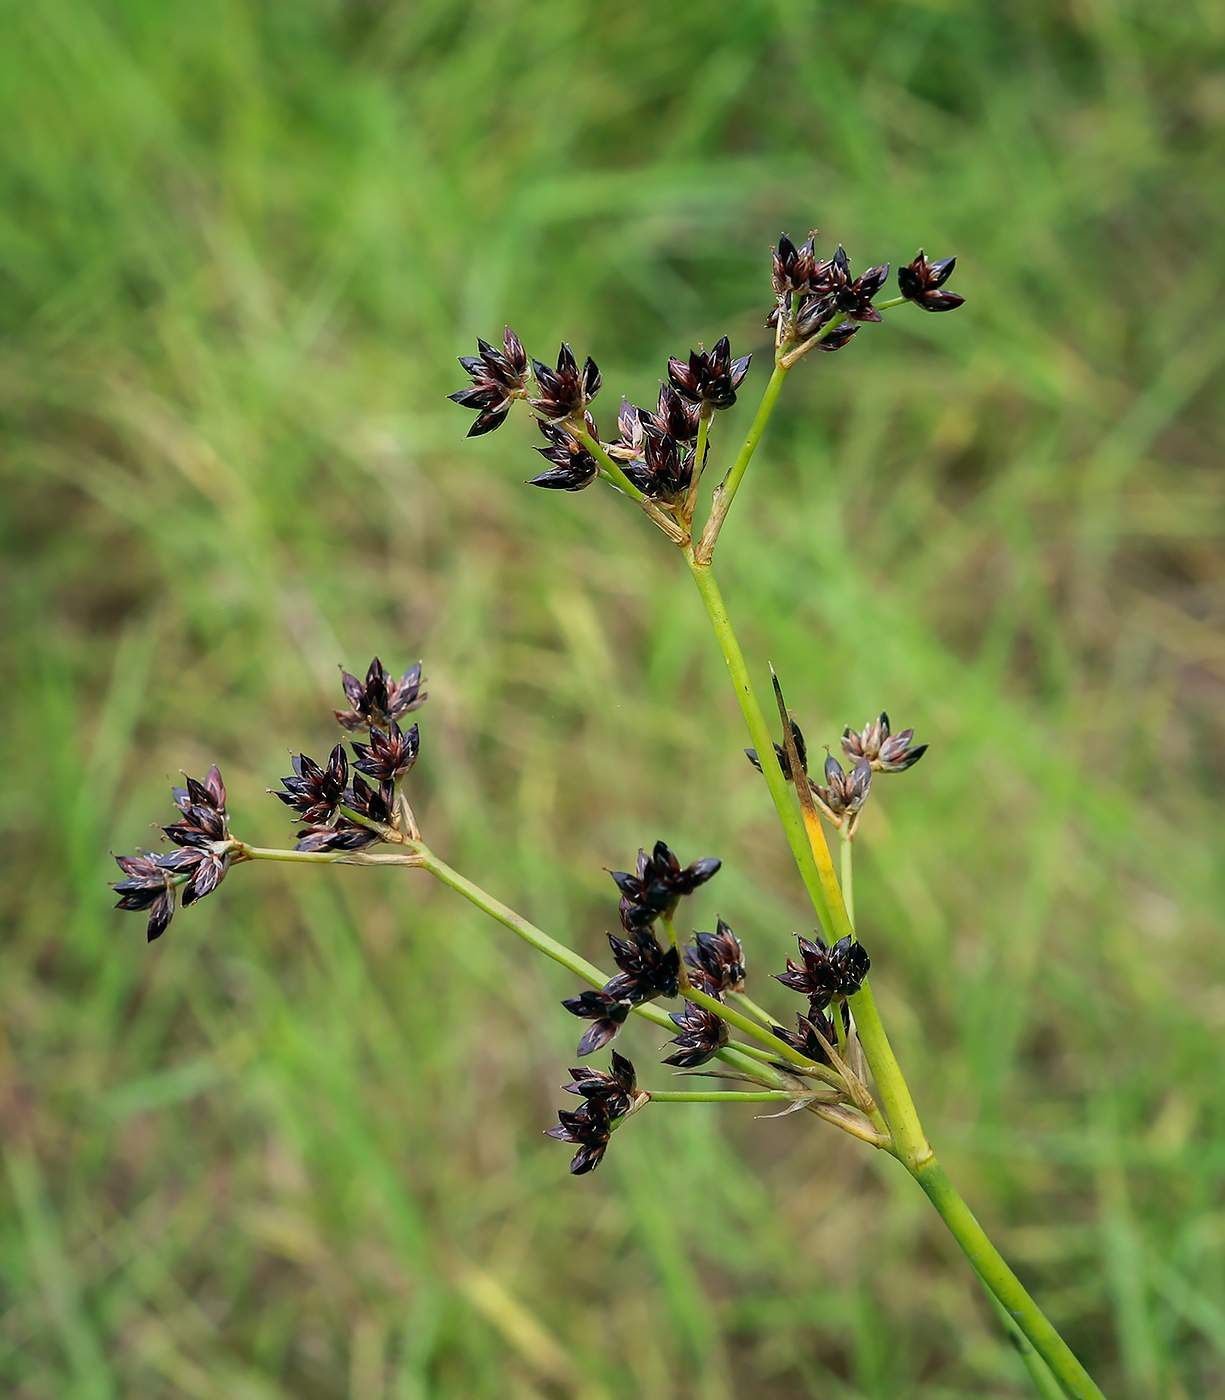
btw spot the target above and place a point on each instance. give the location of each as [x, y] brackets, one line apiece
[922, 282]
[886, 752]
[318, 792]
[606, 1098]
[198, 866]
[812, 292]
[842, 800]
[702, 1036]
[499, 377]
[875, 750]
[658, 884]
[826, 974]
[379, 698]
[709, 377]
[573, 466]
[716, 961]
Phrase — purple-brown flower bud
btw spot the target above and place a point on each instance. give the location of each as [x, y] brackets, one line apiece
[711, 377]
[387, 757]
[606, 1014]
[573, 466]
[658, 883]
[702, 1036]
[149, 886]
[380, 699]
[854, 298]
[647, 970]
[313, 792]
[842, 800]
[886, 752]
[807, 1041]
[617, 1089]
[499, 377]
[566, 391]
[588, 1126]
[718, 959]
[921, 282]
[826, 973]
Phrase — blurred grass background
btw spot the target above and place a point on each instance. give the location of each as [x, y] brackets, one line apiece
[294, 1149]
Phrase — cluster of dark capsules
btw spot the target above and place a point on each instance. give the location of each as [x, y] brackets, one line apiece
[341, 805]
[818, 304]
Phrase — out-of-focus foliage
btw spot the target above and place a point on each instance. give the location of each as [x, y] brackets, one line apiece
[294, 1149]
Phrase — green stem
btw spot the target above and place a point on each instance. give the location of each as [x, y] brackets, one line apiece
[725, 492]
[759, 731]
[1045, 1384]
[990, 1266]
[699, 463]
[754, 1010]
[718, 1096]
[246, 852]
[909, 1143]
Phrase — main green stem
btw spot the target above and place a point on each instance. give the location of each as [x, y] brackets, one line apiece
[910, 1144]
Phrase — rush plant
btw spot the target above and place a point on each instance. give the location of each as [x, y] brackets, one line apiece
[354, 807]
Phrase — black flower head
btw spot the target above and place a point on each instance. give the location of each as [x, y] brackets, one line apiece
[675, 416]
[780, 753]
[826, 973]
[839, 336]
[657, 884]
[376, 804]
[921, 282]
[717, 959]
[606, 1014]
[149, 885]
[702, 1036]
[590, 1127]
[711, 377]
[854, 298]
[313, 792]
[499, 377]
[842, 800]
[793, 267]
[565, 392]
[203, 808]
[380, 698]
[807, 1042]
[573, 466]
[387, 757]
[617, 1090]
[666, 469]
[886, 752]
[647, 970]
[342, 835]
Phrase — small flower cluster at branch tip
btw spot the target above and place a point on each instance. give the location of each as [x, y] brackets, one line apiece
[606, 1099]
[566, 391]
[658, 883]
[922, 282]
[379, 699]
[646, 969]
[573, 466]
[826, 974]
[710, 377]
[810, 293]
[716, 961]
[499, 377]
[199, 865]
[886, 752]
[842, 800]
[702, 1036]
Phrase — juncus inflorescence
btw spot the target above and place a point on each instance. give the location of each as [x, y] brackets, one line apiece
[353, 807]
